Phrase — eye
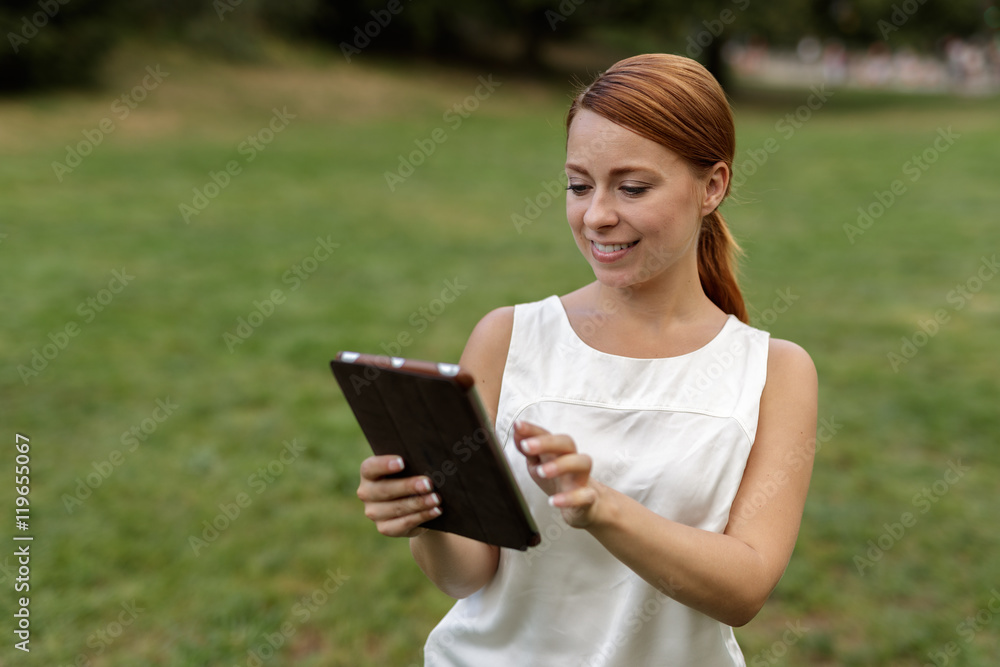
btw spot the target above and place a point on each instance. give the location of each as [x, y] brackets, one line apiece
[633, 190]
[577, 188]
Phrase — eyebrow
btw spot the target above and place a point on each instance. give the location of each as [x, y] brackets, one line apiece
[617, 171]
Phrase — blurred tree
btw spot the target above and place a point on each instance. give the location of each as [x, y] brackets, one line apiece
[920, 24]
[48, 44]
[58, 43]
[55, 44]
[516, 31]
[512, 31]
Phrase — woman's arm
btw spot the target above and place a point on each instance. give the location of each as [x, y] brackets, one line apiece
[727, 576]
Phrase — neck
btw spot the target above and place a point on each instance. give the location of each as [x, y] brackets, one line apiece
[674, 297]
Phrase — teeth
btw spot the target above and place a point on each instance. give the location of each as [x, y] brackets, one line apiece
[613, 248]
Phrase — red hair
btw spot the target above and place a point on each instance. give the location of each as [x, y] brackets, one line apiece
[675, 102]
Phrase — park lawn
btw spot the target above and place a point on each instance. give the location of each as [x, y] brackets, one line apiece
[193, 384]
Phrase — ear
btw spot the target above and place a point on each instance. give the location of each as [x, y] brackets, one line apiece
[716, 186]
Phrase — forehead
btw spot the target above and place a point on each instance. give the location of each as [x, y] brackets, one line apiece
[593, 139]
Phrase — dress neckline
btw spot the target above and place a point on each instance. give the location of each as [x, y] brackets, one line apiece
[731, 320]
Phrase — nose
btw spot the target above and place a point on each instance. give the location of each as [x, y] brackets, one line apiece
[601, 210]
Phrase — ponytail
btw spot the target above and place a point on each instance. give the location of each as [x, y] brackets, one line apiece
[717, 253]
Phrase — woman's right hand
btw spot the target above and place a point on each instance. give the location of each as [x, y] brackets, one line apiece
[397, 505]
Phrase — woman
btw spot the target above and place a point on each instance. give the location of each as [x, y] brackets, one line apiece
[663, 445]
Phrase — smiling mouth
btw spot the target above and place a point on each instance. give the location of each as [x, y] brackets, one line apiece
[614, 247]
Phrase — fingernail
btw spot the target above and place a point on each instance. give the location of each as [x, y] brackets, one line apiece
[528, 445]
[436, 511]
[540, 471]
[552, 501]
[424, 485]
[434, 499]
[396, 464]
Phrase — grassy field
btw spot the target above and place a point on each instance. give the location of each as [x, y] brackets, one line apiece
[172, 300]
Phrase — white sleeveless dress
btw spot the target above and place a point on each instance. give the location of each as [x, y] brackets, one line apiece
[673, 433]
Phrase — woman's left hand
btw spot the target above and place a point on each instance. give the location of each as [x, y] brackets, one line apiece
[561, 472]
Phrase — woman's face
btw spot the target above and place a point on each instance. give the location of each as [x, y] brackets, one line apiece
[634, 206]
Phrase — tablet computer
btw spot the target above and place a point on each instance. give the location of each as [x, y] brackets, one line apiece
[430, 414]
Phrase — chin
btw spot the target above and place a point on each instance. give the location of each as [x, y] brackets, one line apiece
[617, 279]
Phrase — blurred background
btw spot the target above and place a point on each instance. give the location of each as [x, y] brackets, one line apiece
[202, 202]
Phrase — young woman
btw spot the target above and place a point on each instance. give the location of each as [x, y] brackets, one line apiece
[664, 445]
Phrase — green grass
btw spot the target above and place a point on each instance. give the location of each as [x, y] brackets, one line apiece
[323, 176]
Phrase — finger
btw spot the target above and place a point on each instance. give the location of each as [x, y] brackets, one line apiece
[395, 509]
[406, 525]
[523, 429]
[554, 445]
[574, 465]
[382, 489]
[376, 467]
[577, 498]
[527, 429]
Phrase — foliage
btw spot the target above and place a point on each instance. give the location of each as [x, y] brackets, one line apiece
[50, 45]
[70, 44]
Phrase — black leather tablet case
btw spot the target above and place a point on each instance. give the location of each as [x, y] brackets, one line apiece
[430, 414]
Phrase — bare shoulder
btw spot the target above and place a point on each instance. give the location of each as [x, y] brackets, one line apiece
[489, 341]
[791, 391]
[790, 366]
[485, 354]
